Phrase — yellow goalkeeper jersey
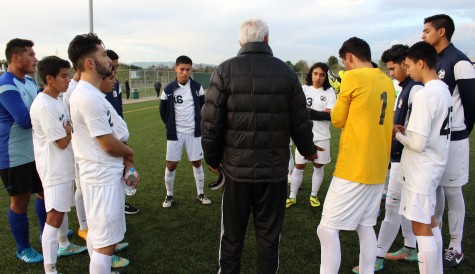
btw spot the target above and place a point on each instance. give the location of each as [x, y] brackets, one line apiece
[364, 110]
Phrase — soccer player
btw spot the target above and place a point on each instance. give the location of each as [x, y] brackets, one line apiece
[54, 159]
[426, 141]
[396, 64]
[17, 160]
[455, 69]
[114, 96]
[180, 106]
[320, 98]
[100, 155]
[364, 110]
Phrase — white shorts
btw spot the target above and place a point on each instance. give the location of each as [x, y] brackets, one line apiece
[393, 196]
[350, 204]
[104, 206]
[60, 197]
[191, 143]
[456, 170]
[323, 156]
[417, 207]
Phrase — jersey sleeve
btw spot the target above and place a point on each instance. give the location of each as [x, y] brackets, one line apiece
[421, 116]
[52, 123]
[464, 74]
[340, 111]
[96, 116]
[331, 98]
[12, 102]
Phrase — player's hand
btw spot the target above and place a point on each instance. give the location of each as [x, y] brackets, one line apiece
[329, 110]
[398, 128]
[129, 165]
[314, 156]
[214, 170]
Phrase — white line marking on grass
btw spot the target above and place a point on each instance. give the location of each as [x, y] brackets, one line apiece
[138, 109]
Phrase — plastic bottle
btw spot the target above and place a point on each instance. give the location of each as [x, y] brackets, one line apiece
[131, 177]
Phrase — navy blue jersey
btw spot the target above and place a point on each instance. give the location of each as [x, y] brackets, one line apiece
[115, 98]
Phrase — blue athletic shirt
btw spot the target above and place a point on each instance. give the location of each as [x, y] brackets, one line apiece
[16, 140]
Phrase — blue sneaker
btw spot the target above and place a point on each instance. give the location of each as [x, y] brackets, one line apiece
[71, 249]
[121, 246]
[118, 262]
[30, 256]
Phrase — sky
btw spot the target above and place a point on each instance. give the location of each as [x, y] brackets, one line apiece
[208, 30]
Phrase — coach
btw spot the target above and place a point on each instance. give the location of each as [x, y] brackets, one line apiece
[254, 105]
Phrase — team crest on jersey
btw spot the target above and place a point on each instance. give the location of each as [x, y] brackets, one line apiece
[114, 93]
[441, 74]
[61, 117]
[323, 98]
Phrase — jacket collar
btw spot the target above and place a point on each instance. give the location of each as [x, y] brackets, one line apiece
[255, 47]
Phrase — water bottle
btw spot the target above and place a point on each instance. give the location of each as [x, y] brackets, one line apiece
[131, 177]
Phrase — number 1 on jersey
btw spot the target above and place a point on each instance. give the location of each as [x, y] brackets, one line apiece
[384, 97]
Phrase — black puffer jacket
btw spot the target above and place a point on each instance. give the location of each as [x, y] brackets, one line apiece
[253, 106]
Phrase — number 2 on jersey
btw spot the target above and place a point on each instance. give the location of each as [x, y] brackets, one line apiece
[384, 98]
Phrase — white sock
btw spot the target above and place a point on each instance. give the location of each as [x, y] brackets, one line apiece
[408, 233]
[63, 232]
[330, 249]
[440, 204]
[81, 212]
[389, 229]
[296, 182]
[49, 244]
[169, 181]
[291, 162]
[427, 255]
[317, 179]
[438, 241]
[100, 263]
[368, 247]
[456, 216]
[199, 179]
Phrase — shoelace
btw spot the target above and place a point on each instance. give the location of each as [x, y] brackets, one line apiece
[449, 254]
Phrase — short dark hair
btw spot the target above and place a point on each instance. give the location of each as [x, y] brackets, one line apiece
[423, 51]
[356, 46]
[112, 54]
[324, 67]
[51, 65]
[183, 60]
[396, 54]
[81, 46]
[442, 21]
[17, 46]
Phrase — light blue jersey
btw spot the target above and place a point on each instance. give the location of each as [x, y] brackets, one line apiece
[16, 141]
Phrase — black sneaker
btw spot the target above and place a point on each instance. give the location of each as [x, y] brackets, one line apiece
[129, 209]
[452, 258]
[219, 183]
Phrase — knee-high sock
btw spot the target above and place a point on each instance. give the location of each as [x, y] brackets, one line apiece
[49, 244]
[408, 233]
[386, 182]
[317, 179]
[81, 212]
[40, 213]
[199, 179]
[296, 182]
[330, 250]
[20, 229]
[100, 263]
[389, 229]
[169, 181]
[438, 241]
[427, 255]
[439, 205]
[291, 163]
[456, 215]
[63, 232]
[368, 246]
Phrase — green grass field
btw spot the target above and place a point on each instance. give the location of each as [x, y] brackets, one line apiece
[185, 237]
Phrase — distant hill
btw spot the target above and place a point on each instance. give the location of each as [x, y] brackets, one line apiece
[169, 64]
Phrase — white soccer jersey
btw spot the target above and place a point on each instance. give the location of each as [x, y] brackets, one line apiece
[319, 100]
[91, 117]
[184, 107]
[430, 117]
[48, 117]
[67, 95]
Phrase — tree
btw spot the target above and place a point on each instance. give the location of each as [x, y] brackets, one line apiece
[290, 64]
[332, 62]
[301, 66]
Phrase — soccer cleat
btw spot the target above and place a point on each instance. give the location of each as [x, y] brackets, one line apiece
[129, 209]
[452, 258]
[82, 234]
[121, 246]
[118, 262]
[290, 202]
[71, 249]
[30, 256]
[405, 253]
[168, 201]
[314, 202]
[203, 199]
[219, 183]
[378, 266]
